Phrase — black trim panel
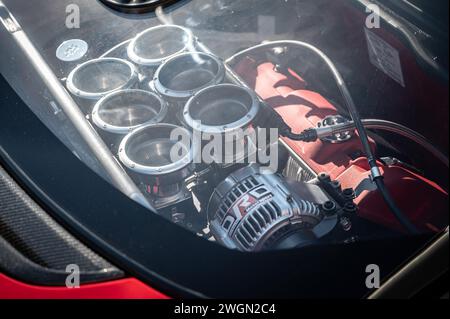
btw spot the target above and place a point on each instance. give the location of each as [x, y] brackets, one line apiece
[35, 249]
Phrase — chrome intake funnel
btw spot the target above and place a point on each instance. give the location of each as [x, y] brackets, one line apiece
[157, 44]
[121, 112]
[183, 75]
[97, 78]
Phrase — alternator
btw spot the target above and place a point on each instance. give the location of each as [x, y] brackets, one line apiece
[252, 211]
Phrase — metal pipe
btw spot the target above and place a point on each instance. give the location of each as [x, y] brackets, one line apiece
[118, 176]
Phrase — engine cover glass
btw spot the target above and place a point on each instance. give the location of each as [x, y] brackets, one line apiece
[177, 106]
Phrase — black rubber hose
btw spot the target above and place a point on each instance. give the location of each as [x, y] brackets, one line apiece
[394, 208]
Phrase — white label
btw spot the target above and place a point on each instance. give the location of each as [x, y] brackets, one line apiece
[384, 57]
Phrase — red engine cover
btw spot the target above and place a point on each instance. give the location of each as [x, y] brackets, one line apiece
[425, 203]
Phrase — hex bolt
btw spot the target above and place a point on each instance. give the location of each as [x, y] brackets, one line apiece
[349, 194]
[329, 208]
[336, 186]
[324, 178]
[346, 224]
[350, 208]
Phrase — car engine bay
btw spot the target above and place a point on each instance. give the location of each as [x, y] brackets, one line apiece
[337, 179]
[322, 191]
